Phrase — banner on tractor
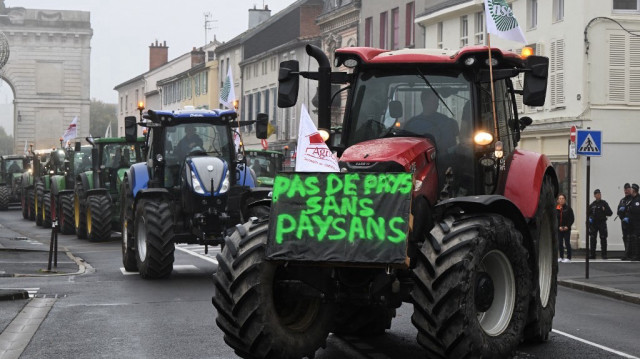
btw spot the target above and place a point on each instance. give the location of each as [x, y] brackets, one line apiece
[340, 217]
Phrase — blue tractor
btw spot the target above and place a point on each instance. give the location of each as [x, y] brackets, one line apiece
[193, 187]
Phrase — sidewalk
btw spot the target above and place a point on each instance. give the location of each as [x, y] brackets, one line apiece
[611, 277]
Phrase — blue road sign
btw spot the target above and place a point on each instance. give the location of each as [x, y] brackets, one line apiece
[589, 143]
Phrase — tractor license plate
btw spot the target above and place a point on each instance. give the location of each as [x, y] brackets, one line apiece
[349, 218]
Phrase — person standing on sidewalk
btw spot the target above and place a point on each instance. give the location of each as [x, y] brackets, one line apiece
[598, 212]
[565, 221]
[633, 219]
[622, 210]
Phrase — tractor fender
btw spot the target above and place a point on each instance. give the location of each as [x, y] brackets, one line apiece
[57, 184]
[527, 171]
[84, 179]
[150, 193]
[89, 178]
[138, 177]
[27, 180]
[486, 204]
[245, 177]
[96, 191]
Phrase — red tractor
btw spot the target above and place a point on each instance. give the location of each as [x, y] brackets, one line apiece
[434, 206]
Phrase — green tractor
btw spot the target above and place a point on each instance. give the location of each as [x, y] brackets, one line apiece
[265, 164]
[11, 168]
[96, 205]
[29, 180]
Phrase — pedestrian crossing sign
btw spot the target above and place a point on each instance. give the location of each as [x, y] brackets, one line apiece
[589, 143]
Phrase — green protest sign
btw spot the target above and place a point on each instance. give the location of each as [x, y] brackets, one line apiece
[340, 217]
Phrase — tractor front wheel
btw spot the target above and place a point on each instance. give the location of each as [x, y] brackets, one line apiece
[259, 318]
[37, 203]
[65, 214]
[98, 218]
[46, 210]
[545, 241]
[472, 289]
[4, 197]
[126, 220]
[154, 239]
[79, 215]
[24, 206]
[31, 199]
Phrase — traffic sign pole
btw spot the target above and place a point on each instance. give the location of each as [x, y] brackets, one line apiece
[587, 238]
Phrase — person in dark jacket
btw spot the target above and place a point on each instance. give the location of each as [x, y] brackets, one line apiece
[633, 219]
[598, 212]
[565, 221]
[622, 210]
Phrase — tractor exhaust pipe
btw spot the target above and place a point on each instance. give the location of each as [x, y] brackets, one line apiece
[324, 86]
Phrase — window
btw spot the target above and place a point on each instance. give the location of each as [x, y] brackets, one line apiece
[211, 55]
[556, 73]
[533, 14]
[383, 30]
[395, 29]
[273, 63]
[121, 104]
[409, 31]
[624, 68]
[247, 72]
[368, 30]
[205, 82]
[558, 10]
[464, 31]
[439, 27]
[479, 33]
[222, 74]
[625, 5]
[255, 70]
[126, 103]
[266, 101]
[258, 103]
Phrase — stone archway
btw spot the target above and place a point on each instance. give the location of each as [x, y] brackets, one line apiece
[48, 71]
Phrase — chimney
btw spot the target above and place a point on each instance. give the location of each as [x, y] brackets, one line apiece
[197, 57]
[158, 55]
[258, 16]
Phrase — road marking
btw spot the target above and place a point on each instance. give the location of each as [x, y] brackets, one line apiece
[195, 254]
[617, 352]
[177, 268]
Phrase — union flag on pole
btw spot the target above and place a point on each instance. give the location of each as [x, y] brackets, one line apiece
[72, 131]
[501, 21]
[227, 92]
[313, 155]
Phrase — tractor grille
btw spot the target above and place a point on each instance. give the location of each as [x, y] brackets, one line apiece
[363, 166]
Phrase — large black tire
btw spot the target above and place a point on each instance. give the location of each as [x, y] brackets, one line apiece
[65, 214]
[362, 320]
[258, 320]
[456, 310]
[31, 198]
[5, 192]
[79, 210]
[24, 204]
[38, 203]
[126, 221]
[545, 259]
[260, 211]
[99, 211]
[46, 210]
[154, 239]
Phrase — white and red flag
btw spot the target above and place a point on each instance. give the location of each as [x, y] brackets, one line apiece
[72, 131]
[313, 154]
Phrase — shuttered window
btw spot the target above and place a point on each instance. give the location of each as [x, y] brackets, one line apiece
[624, 69]
[556, 74]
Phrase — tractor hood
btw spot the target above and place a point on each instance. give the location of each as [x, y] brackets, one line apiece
[208, 171]
[402, 150]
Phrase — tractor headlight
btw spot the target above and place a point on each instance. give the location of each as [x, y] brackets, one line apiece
[225, 183]
[195, 182]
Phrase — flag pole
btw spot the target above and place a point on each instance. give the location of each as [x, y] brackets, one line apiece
[493, 93]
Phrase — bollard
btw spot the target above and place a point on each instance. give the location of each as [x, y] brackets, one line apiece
[53, 245]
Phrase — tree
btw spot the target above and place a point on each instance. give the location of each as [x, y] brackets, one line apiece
[6, 142]
[101, 114]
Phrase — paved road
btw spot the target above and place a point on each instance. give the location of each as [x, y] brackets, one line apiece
[105, 312]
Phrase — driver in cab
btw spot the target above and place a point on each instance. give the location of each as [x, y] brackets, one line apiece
[443, 128]
[190, 141]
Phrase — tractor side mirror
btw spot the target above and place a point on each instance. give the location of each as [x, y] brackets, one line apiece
[288, 83]
[395, 109]
[130, 129]
[94, 158]
[77, 147]
[524, 122]
[262, 126]
[535, 80]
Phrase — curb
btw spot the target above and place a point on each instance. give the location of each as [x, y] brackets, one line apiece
[602, 290]
[11, 294]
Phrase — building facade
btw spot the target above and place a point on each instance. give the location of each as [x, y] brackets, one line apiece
[390, 24]
[593, 84]
[48, 71]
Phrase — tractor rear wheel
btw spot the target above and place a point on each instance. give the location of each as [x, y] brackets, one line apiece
[258, 319]
[4, 197]
[545, 241]
[98, 218]
[126, 220]
[154, 239]
[46, 210]
[472, 290]
[362, 320]
[79, 209]
[65, 214]
[259, 211]
[38, 203]
[24, 206]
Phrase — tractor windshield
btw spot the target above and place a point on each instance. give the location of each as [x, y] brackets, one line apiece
[197, 139]
[14, 166]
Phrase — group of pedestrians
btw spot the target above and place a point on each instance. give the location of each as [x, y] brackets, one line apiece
[597, 213]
